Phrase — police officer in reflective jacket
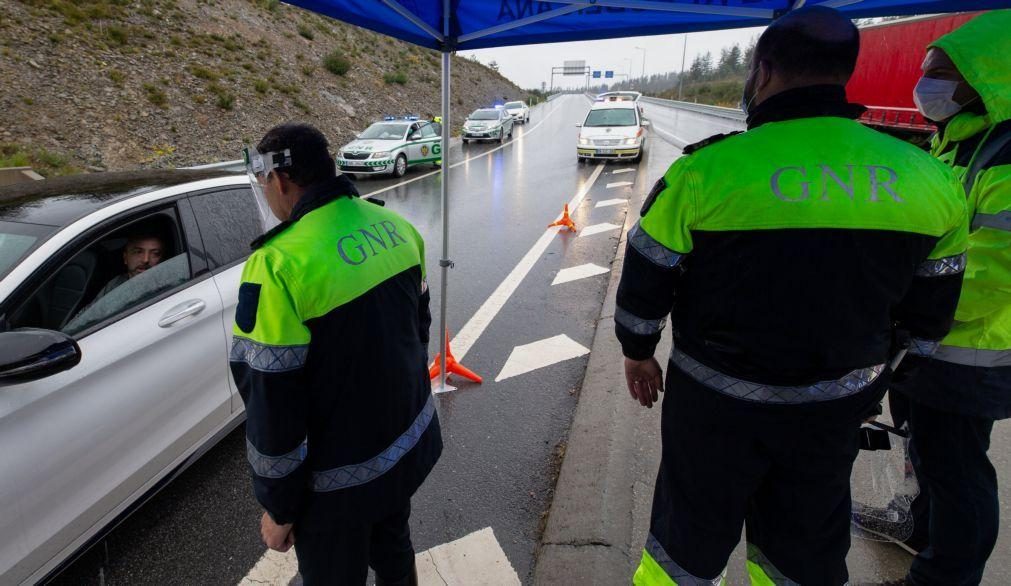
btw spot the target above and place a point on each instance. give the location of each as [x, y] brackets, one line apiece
[793, 259]
[329, 354]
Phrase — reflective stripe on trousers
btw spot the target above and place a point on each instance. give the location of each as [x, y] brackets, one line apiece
[762, 572]
[973, 356]
[356, 474]
[657, 568]
[850, 384]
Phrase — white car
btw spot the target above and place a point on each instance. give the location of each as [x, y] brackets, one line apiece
[519, 111]
[105, 398]
[612, 130]
[392, 146]
[487, 124]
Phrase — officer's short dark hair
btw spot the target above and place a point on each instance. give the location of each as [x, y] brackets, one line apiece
[815, 41]
[310, 152]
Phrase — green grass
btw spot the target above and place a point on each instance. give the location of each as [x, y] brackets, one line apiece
[305, 32]
[117, 76]
[336, 64]
[397, 77]
[261, 86]
[45, 163]
[204, 73]
[117, 35]
[225, 99]
[308, 70]
[156, 95]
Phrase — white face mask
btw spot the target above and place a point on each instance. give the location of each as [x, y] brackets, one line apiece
[934, 98]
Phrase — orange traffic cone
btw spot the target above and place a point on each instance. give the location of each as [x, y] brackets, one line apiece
[452, 366]
[565, 221]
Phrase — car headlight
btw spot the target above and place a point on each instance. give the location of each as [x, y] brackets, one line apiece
[381, 155]
[630, 141]
[584, 141]
[340, 154]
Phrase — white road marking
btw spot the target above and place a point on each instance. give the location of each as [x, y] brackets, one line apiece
[579, 272]
[609, 203]
[598, 229]
[540, 354]
[676, 138]
[467, 160]
[476, 325]
[474, 559]
[619, 184]
[620, 171]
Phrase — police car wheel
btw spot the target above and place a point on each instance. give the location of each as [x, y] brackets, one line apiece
[465, 141]
[400, 166]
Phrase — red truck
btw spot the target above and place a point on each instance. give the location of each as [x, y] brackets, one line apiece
[889, 66]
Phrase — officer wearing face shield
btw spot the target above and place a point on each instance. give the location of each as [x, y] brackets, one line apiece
[952, 398]
[788, 281]
[330, 356]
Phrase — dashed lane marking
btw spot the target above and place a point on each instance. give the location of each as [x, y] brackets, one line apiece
[620, 171]
[609, 202]
[619, 184]
[598, 229]
[476, 325]
[579, 272]
[540, 354]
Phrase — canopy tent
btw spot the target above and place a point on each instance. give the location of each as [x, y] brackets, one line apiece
[454, 25]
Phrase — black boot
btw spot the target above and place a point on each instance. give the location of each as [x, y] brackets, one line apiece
[411, 579]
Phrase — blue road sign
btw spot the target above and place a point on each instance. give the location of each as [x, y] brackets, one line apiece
[596, 75]
[608, 74]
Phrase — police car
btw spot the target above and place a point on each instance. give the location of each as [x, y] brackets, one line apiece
[392, 146]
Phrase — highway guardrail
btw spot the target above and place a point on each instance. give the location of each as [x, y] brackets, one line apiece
[716, 111]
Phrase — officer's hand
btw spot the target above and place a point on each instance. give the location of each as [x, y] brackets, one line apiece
[277, 537]
[645, 380]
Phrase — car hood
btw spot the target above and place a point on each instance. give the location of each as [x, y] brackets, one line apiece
[595, 132]
[481, 123]
[514, 110]
[368, 146]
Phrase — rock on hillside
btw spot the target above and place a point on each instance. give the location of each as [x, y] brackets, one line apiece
[120, 84]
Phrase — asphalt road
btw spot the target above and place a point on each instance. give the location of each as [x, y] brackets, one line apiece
[503, 440]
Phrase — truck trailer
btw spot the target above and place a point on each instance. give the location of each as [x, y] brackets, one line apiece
[888, 68]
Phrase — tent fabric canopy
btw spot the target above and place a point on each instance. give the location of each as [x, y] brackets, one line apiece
[477, 24]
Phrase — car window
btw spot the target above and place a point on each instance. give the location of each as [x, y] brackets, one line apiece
[514, 105]
[164, 276]
[611, 117]
[428, 131]
[229, 221]
[111, 271]
[17, 240]
[382, 131]
[485, 115]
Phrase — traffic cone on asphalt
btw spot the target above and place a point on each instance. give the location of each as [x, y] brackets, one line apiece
[565, 221]
[452, 366]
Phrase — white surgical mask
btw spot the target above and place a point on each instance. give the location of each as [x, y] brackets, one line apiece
[934, 98]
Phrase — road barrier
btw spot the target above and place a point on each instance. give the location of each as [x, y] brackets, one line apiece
[716, 111]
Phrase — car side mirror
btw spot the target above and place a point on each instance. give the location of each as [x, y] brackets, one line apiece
[415, 136]
[579, 124]
[646, 123]
[28, 354]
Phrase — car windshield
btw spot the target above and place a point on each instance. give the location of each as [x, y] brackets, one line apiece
[382, 131]
[17, 240]
[512, 105]
[611, 117]
[484, 115]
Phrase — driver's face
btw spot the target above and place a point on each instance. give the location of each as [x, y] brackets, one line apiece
[141, 255]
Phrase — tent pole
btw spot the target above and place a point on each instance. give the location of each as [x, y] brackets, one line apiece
[444, 262]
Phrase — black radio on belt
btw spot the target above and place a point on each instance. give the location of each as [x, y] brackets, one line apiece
[875, 436]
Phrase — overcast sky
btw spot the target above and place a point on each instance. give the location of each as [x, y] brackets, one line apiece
[529, 65]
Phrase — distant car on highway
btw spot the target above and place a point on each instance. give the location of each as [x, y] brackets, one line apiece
[392, 146]
[106, 398]
[618, 96]
[488, 124]
[612, 130]
[519, 111]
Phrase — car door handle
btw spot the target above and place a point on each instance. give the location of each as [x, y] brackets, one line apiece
[181, 311]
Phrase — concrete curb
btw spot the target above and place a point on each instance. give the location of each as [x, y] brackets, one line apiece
[594, 533]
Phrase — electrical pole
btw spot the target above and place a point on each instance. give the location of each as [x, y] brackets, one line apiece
[681, 78]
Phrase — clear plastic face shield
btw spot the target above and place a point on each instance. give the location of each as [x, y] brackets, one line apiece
[258, 168]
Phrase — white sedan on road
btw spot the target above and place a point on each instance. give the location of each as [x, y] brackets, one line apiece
[612, 130]
[112, 380]
[519, 111]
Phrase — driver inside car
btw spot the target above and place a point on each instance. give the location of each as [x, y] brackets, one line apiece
[142, 251]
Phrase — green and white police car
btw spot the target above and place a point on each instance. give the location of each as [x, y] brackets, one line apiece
[392, 146]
